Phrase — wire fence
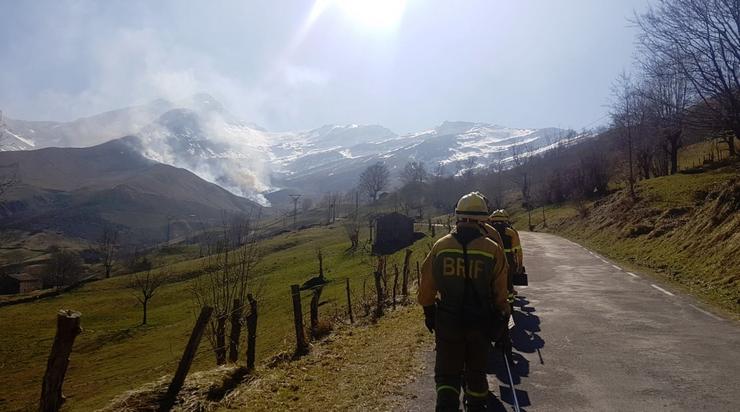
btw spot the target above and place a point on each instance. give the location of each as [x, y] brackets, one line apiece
[325, 305]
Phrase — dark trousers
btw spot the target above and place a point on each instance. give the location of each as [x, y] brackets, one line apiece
[461, 355]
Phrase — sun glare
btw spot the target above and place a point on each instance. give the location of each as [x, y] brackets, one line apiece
[374, 14]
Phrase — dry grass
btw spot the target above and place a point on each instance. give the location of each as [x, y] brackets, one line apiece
[356, 369]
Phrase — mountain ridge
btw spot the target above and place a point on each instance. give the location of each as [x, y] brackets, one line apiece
[200, 135]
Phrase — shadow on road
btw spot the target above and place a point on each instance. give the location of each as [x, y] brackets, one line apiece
[524, 339]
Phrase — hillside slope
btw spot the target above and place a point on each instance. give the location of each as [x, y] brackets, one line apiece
[76, 191]
[685, 227]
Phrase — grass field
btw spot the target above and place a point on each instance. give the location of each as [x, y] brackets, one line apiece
[114, 354]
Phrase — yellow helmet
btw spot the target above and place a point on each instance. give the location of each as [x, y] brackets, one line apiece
[472, 206]
[485, 199]
[499, 216]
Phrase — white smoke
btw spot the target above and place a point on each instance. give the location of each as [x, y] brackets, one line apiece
[211, 143]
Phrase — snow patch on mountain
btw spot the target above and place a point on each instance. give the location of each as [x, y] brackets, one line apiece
[201, 136]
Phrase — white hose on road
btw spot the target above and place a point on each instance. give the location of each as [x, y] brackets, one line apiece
[511, 382]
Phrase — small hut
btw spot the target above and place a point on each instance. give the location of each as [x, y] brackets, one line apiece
[393, 232]
[19, 283]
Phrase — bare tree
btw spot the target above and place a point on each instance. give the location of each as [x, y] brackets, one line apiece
[701, 40]
[414, 172]
[144, 285]
[624, 114]
[227, 275]
[63, 267]
[374, 179]
[107, 247]
[522, 162]
[668, 94]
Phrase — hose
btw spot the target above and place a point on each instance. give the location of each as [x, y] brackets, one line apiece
[511, 383]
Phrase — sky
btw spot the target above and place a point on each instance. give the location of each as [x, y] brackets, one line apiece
[295, 65]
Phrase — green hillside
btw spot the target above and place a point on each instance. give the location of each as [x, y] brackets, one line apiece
[684, 227]
[114, 354]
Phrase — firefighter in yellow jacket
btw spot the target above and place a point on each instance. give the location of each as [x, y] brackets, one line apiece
[511, 244]
[487, 229]
[463, 291]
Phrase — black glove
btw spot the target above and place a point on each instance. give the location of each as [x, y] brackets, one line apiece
[503, 344]
[430, 315]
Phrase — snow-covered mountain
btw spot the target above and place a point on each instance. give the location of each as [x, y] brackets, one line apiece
[201, 136]
[332, 157]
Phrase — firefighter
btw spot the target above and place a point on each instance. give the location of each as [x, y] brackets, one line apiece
[463, 292]
[511, 244]
[487, 229]
[516, 244]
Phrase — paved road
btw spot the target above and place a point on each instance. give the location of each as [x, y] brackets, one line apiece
[591, 336]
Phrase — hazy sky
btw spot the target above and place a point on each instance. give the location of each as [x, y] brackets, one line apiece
[407, 65]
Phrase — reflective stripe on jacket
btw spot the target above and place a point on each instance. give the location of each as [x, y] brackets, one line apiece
[443, 273]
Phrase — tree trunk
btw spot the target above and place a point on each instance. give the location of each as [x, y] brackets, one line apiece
[68, 327]
[144, 306]
[251, 331]
[236, 331]
[107, 271]
[674, 143]
[221, 340]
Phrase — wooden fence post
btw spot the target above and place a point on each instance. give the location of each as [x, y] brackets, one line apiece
[365, 304]
[395, 285]
[406, 270]
[315, 298]
[301, 347]
[379, 291]
[349, 303]
[418, 274]
[236, 330]
[68, 327]
[251, 331]
[187, 359]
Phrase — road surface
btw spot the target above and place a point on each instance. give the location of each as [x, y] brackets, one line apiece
[591, 336]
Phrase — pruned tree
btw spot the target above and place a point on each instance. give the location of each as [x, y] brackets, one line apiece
[144, 285]
[227, 273]
[374, 179]
[352, 228]
[107, 248]
[700, 39]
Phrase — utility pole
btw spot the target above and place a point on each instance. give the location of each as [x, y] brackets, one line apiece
[295, 207]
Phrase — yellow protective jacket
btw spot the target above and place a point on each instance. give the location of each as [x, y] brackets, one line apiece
[443, 273]
[511, 244]
[516, 246]
[493, 234]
